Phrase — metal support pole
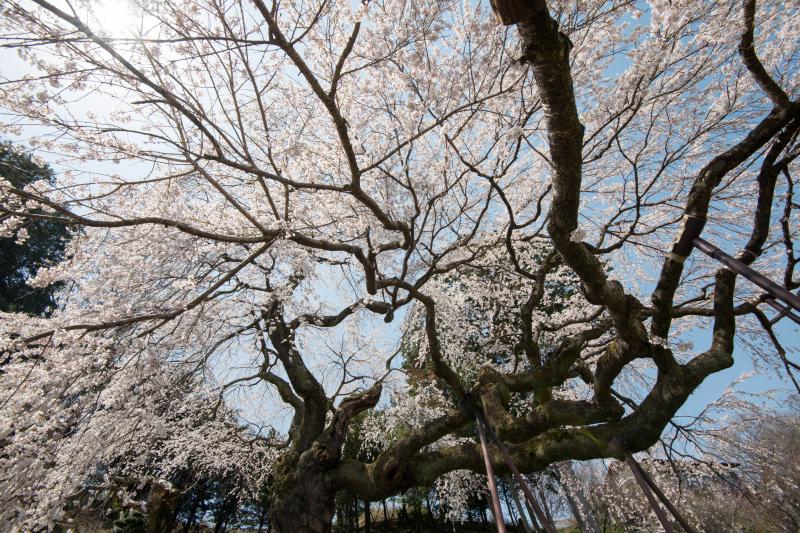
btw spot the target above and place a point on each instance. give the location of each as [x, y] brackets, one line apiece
[534, 523]
[661, 496]
[637, 474]
[497, 512]
[775, 290]
[520, 509]
[783, 310]
[548, 527]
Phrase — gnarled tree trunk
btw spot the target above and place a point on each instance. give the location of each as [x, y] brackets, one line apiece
[303, 500]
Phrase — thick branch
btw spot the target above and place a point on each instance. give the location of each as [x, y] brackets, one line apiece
[750, 59]
[547, 50]
[711, 175]
[302, 380]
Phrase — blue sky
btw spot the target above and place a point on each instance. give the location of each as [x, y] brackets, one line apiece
[758, 385]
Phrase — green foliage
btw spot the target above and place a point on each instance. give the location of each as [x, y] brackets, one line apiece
[45, 244]
[130, 522]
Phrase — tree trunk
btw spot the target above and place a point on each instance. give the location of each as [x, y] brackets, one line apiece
[199, 495]
[305, 504]
[262, 518]
[161, 504]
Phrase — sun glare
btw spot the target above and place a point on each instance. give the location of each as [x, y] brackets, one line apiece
[114, 18]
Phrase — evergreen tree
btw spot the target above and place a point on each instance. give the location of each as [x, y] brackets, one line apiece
[21, 258]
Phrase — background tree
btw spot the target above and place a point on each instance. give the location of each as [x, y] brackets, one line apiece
[729, 483]
[36, 243]
[297, 176]
[763, 446]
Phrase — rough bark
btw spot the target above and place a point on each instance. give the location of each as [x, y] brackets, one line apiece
[306, 503]
[161, 503]
[303, 489]
[311, 470]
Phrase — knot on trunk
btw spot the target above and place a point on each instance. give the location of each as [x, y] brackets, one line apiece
[392, 472]
[322, 456]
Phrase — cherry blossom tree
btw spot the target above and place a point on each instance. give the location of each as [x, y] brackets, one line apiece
[745, 480]
[264, 195]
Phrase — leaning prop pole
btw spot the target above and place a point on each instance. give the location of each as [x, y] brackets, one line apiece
[651, 491]
[521, 510]
[773, 289]
[497, 512]
[470, 406]
[640, 479]
[538, 511]
[780, 298]
[661, 496]
[783, 310]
